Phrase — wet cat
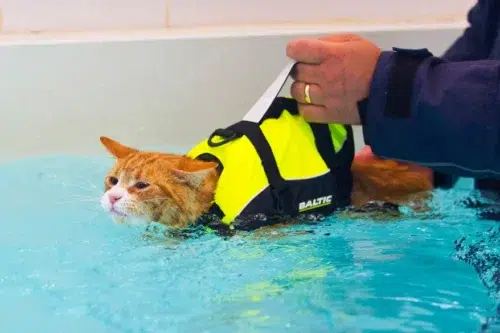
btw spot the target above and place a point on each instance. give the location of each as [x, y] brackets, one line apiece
[176, 190]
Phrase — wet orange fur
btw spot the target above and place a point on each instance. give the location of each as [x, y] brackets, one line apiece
[182, 189]
[389, 181]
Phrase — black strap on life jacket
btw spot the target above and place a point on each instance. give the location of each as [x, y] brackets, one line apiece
[322, 135]
[338, 162]
[252, 131]
[214, 208]
[324, 144]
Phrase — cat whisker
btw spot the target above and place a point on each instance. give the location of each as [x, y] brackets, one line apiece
[94, 207]
[84, 196]
[75, 201]
[91, 219]
[91, 184]
[96, 210]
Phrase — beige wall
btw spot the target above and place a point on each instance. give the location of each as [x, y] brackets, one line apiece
[71, 15]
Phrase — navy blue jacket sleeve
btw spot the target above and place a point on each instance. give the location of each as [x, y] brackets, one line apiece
[453, 124]
[478, 38]
[444, 114]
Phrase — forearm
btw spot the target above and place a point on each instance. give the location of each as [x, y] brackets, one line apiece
[447, 116]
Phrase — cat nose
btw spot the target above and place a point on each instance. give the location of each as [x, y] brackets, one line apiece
[114, 198]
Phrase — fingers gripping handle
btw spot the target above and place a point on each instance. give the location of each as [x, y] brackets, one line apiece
[260, 108]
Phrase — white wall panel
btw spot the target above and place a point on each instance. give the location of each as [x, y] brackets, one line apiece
[58, 97]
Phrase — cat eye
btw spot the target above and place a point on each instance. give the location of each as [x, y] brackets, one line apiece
[141, 185]
[113, 180]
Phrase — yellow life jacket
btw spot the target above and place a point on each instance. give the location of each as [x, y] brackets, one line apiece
[281, 167]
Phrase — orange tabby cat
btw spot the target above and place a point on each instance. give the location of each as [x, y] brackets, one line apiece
[175, 190]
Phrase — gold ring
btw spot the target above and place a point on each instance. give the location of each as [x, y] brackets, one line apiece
[306, 93]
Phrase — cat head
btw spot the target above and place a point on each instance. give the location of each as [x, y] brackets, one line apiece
[149, 186]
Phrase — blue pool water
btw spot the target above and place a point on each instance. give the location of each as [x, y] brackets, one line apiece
[66, 267]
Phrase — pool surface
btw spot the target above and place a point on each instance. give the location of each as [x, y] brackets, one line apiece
[66, 267]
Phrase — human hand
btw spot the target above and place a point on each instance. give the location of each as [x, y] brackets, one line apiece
[338, 70]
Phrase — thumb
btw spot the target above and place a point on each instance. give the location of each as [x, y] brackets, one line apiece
[307, 50]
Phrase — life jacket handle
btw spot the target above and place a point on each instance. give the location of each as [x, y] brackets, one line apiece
[260, 108]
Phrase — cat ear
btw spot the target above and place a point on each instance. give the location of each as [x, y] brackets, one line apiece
[116, 149]
[193, 172]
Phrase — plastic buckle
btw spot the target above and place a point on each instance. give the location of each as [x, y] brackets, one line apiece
[226, 133]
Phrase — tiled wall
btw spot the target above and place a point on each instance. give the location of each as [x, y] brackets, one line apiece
[71, 15]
